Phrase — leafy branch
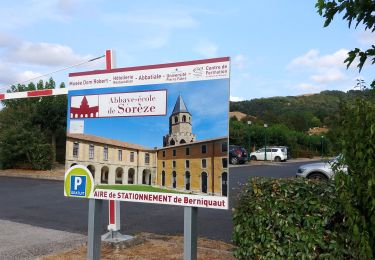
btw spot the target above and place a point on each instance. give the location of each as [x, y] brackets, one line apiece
[355, 11]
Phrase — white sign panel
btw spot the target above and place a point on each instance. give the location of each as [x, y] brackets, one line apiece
[152, 134]
[126, 104]
[154, 74]
[77, 126]
[150, 103]
[215, 202]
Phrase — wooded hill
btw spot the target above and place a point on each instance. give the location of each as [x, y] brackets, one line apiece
[297, 112]
[289, 119]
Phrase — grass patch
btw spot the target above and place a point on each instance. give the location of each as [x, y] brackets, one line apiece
[146, 188]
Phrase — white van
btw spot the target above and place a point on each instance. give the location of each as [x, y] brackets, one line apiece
[272, 153]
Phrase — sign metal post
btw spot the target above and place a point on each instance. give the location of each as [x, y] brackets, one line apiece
[113, 206]
[94, 229]
[190, 233]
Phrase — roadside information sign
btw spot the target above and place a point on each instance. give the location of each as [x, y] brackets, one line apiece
[152, 134]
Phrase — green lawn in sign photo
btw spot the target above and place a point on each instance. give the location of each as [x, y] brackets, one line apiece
[131, 187]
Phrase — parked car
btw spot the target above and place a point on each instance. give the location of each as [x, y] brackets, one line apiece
[319, 170]
[237, 154]
[273, 153]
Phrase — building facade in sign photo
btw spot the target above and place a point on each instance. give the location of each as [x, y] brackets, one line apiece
[111, 161]
[183, 163]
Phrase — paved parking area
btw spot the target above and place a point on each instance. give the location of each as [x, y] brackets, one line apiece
[271, 163]
[22, 241]
[41, 203]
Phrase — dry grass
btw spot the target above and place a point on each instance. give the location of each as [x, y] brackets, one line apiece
[152, 247]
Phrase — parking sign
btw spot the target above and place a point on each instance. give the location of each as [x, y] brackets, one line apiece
[78, 182]
[78, 186]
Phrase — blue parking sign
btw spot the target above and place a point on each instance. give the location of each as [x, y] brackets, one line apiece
[78, 185]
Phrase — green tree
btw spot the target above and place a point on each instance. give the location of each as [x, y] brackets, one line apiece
[358, 12]
[30, 127]
[51, 115]
[23, 143]
[356, 189]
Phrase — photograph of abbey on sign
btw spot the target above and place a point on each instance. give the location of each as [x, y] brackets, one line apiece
[157, 143]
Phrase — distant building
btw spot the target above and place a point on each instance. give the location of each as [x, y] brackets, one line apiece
[183, 164]
[318, 130]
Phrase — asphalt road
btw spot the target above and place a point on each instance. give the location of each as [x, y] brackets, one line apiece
[41, 203]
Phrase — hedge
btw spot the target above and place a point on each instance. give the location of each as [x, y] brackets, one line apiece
[290, 218]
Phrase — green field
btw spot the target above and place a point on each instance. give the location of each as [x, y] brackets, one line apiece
[147, 188]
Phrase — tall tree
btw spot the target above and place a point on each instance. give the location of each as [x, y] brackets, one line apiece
[357, 189]
[51, 115]
[29, 127]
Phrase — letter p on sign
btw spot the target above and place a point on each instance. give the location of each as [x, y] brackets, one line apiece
[77, 182]
[78, 185]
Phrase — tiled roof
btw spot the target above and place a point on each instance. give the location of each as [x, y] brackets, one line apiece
[102, 140]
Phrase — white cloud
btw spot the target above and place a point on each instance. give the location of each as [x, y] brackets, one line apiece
[324, 71]
[22, 60]
[313, 59]
[16, 51]
[27, 13]
[47, 54]
[10, 76]
[330, 75]
[239, 61]
[7, 75]
[27, 75]
[366, 37]
[159, 18]
[207, 49]
[8, 40]
[235, 99]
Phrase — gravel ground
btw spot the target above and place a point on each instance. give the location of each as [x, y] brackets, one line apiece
[21, 241]
[55, 174]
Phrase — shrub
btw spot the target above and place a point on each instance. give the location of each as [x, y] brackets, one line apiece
[298, 153]
[41, 156]
[356, 190]
[289, 218]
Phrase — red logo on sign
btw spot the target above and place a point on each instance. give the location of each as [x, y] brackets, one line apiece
[84, 111]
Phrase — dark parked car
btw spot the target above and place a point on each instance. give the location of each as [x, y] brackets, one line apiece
[237, 154]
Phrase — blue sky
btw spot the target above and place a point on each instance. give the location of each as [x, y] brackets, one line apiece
[207, 102]
[277, 48]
